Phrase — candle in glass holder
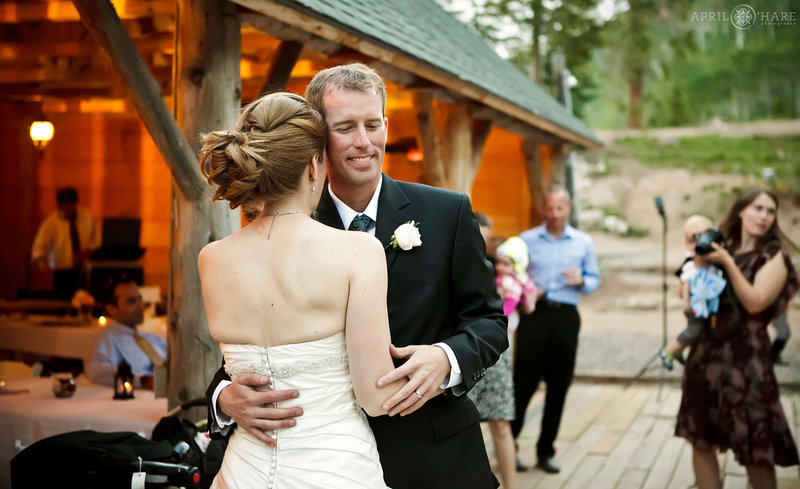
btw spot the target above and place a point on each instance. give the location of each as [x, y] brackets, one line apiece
[123, 381]
[63, 384]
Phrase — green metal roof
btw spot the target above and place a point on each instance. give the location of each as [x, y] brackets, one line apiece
[422, 29]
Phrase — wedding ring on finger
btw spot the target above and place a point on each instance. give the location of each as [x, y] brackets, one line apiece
[417, 393]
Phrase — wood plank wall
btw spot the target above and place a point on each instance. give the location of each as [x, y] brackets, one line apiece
[18, 221]
[110, 160]
[501, 186]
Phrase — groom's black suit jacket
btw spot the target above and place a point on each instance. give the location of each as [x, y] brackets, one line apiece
[442, 291]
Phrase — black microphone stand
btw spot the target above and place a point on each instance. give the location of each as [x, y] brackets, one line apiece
[660, 207]
[646, 367]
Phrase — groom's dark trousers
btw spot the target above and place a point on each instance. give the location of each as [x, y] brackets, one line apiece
[442, 291]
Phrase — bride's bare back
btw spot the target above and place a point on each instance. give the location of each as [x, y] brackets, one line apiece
[291, 288]
[307, 282]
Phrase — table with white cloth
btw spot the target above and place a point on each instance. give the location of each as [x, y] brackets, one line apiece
[37, 414]
[25, 306]
[57, 336]
[49, 336]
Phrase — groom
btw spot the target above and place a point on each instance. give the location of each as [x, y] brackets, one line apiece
[445, 316]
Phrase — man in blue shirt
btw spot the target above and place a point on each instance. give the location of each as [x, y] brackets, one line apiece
[563, 265]
[120, 339]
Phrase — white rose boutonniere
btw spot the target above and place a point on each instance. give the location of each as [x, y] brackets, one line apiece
[406, 236]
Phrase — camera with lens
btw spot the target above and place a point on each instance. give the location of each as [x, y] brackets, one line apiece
[703, 244]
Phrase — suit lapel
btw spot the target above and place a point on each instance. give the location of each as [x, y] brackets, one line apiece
[391, 201]
[326, 211]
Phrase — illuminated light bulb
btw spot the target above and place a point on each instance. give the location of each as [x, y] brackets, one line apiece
[414, 154]
[42, 133]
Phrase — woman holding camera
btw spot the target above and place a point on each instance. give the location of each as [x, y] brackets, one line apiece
[730, 394]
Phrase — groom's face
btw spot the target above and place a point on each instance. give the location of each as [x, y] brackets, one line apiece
[357, 132]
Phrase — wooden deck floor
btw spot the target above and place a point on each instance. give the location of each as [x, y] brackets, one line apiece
[614, 437]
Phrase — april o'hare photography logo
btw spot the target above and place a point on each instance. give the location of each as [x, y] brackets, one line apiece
[744, 16]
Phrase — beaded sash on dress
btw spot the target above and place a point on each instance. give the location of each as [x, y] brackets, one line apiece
[284, 370]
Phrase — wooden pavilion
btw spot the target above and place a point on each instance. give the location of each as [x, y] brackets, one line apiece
[129, 84]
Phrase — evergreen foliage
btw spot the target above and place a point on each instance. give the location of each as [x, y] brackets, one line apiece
[654, 63]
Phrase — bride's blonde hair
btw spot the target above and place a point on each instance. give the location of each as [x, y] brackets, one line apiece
[262, 160]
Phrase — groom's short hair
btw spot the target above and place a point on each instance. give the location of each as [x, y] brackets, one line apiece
[357, 77]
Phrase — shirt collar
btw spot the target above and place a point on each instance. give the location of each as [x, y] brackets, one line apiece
[118, 326]
[347, 214]
[569, 232]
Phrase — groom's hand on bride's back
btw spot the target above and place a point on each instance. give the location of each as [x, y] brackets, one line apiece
[252, 409]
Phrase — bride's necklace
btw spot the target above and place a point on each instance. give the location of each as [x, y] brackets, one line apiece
[279, 214]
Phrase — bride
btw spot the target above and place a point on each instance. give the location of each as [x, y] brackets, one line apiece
[296, 300]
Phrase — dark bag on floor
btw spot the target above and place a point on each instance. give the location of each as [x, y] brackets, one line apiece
[72, 460]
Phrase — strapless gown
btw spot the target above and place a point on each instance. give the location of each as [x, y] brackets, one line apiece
[331, 446]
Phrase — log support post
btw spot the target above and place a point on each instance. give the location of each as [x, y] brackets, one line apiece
[280, 69]
[535, 176]
[207, 97]
[451, 141]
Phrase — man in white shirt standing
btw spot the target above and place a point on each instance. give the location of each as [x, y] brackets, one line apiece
[65, 239]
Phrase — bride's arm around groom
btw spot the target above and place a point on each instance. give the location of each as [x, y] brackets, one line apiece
[367, 327]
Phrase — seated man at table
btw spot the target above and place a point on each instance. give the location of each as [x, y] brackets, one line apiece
[121, 341]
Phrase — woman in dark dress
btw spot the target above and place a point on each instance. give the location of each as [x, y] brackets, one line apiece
[730, 395]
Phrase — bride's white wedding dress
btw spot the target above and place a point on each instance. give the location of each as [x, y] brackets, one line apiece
[331, 446]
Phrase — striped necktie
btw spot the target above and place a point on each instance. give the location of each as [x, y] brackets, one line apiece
[148, 349]
[74, 240]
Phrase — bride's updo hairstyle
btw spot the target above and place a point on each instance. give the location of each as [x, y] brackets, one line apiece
[263, 159]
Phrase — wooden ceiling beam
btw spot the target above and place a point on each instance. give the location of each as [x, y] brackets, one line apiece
[511, 124]
[64, 10]
[285, 32]
[21, 75]
[43, 31]
[399, 77]
[88, 77]
[349, 55]
[280, 70]
[25, 50]
[39, 92]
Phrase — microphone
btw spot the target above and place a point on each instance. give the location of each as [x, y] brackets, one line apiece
[660, 207]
